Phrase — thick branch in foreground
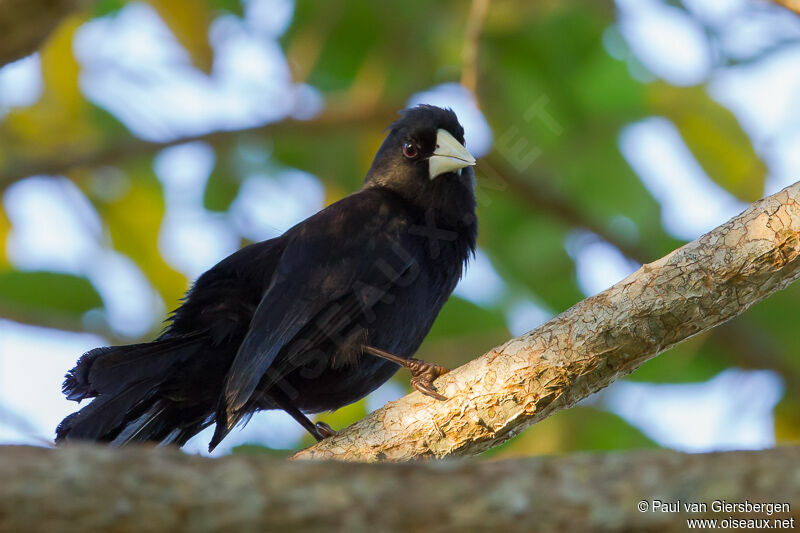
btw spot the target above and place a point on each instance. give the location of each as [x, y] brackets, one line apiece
[144, 489]
[597, 341]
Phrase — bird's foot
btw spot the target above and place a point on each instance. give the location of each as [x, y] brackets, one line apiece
[423, 373]
[324, 431]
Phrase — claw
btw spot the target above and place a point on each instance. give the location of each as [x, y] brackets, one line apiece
[422, 376]
[426, 387]
[324, 430]
[423, 373]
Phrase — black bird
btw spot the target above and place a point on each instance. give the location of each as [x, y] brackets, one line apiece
[306, 322]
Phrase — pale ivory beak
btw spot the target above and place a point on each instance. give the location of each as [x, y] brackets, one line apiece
[450, 155]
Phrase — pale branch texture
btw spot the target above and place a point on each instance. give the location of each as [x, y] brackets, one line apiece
[582, 350]
[792, 5]
[78, 489]
[25, 24]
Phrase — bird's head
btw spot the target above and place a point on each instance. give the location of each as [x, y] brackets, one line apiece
[423, 153]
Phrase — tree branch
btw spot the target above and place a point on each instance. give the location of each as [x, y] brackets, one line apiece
[333, 122]
[25, 24]
[791, 5]
[597, 341]
[469, 52]
[144, 489]
[748, 346]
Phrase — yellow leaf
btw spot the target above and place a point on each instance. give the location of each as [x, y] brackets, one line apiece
[787, 420]
[189, 21]
[715, 138]
[134, 222]
[60, 69]
[5, 229]
[58, 121]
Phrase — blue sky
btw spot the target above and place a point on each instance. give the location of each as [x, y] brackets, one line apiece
[132, 66]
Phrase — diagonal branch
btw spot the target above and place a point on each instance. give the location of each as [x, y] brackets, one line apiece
[597, 341]
[748, 346]
[792, 5]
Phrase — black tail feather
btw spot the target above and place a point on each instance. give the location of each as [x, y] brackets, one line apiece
[76, 383]
[222, 428]
[126, 383]
[104, 418]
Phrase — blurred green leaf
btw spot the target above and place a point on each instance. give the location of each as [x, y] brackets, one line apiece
[574, 430]
[603, 87]
[230, 6]
[354, 32]
[223, 183]
[715, 137]
[557, 112]
[698, 359]
[335, 160]
[461, 317]
[774, 322]
[48, 297]
[527, 249]
[102, 8]
[339, 419]
[221, 191]
[354, 47]
[462, 332]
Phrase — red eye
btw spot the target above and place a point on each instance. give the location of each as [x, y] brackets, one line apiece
[410, 150]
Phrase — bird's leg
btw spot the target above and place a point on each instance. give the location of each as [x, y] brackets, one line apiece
[319, 431]
[422, 372]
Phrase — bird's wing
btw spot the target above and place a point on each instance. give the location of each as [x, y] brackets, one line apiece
[351, 248]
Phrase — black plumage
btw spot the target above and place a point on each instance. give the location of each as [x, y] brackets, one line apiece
[309, 321]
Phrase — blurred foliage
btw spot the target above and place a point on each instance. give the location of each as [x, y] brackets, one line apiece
[58, 120]
[697, 359]
[573, 430]
[556, 101]
[48, 298]
[5, 228]
[714, 137]
[133, 221]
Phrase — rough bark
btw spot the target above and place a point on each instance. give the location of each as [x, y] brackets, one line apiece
[597, 341]
[25, 24]
[139, 489]
[792, 5]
